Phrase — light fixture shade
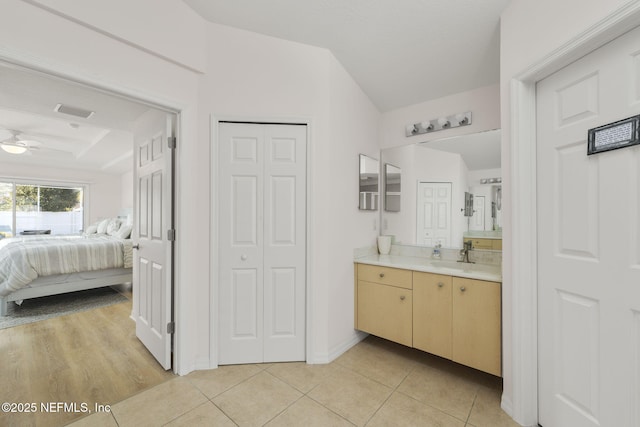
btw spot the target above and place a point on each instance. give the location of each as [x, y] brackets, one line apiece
[13, 149]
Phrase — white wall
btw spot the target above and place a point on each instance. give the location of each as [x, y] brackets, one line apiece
[126, 190]
[354, 130]
[484, 104]
[529, 32]
[180, 35]
[101, 201]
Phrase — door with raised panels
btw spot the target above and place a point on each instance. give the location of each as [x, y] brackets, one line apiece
[262, 243]
[434, 213]
[153, 207]
[589, 243]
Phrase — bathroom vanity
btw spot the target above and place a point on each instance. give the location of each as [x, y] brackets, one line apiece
[446, 308]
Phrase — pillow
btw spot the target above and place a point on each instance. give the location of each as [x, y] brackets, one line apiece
[124, 232]
[102, 226]
[92, 229]
[113, 226]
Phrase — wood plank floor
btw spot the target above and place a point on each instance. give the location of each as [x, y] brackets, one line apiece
[92, 357]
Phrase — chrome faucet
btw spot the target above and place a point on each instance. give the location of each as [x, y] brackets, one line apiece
[464, 252]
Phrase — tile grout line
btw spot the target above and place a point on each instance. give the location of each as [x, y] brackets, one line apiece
[388, 397]
[466, 423]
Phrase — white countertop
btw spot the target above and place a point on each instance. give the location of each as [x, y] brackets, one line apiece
[488, 272]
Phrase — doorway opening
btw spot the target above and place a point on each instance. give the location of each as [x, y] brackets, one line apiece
[98, 150]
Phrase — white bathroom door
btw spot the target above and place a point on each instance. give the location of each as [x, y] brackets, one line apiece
[477, 220]
[262, 243]
[589, 244]
[434, 213]
[152, 260]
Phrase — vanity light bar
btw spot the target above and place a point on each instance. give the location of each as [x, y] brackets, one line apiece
[453, 121]
[490, 180]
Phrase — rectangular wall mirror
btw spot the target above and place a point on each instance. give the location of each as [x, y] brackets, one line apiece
[435, 176]
[392, 188]
[369, 173]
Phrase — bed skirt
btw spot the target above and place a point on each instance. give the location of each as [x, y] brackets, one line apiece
[63, 283]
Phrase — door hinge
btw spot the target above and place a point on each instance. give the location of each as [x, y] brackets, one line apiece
[171, 235]
[171, 327]
[172, 142]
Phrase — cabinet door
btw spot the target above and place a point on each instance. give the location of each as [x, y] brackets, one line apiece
[385, 311]
[432, 313]
[477, 324]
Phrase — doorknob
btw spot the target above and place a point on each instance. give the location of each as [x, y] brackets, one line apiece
[136, 246]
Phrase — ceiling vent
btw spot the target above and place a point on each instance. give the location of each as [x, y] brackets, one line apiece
[73, 111]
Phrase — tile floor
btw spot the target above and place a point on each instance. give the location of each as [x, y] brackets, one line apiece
[375, 383]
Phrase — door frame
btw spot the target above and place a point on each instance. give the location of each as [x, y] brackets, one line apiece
[522, 371]
[32, 64]
[214, 169]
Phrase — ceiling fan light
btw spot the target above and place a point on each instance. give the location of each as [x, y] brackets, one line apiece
[13, 149]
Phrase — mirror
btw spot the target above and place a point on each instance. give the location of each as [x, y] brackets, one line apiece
[435, 176]
[392, 187]
[369, 195]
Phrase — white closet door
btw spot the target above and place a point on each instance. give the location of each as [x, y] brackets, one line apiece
[589, 244]
[262, 245]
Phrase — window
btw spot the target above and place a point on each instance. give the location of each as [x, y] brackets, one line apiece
[31, 208]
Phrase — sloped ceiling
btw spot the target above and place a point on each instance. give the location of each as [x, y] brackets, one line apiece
[401, 52]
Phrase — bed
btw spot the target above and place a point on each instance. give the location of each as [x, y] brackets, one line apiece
[43, 265]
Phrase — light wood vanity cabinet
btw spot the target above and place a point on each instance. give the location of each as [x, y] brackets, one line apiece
[452, 317]
[385, 303]
[476, 326]
[432, 313]
[495, 244]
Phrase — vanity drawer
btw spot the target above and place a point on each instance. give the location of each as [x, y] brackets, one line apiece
[385, 275]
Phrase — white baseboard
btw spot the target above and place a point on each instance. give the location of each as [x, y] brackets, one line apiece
[340, 349]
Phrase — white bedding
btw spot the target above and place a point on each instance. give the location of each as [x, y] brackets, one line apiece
[24, 259]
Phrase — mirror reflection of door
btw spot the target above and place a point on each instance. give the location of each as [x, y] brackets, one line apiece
[434, 213]
[477, 220]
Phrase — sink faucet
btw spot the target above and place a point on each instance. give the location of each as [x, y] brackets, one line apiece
[464, 252]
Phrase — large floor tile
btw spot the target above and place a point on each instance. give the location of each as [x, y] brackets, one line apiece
[403, 411]
[206, 414]
[257, 400]
[310, 414]
[98, 419]
[449, 392]
[158, 405]
[300, 375]
[379, 360]
[351, 395]
[215, 381]
[486, 411]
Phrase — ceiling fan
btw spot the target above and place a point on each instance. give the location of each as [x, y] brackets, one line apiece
[17, 144]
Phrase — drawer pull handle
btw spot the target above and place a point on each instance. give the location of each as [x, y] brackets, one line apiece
[440, 284]
[462, 288]
[381, 274]
[402, 297]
